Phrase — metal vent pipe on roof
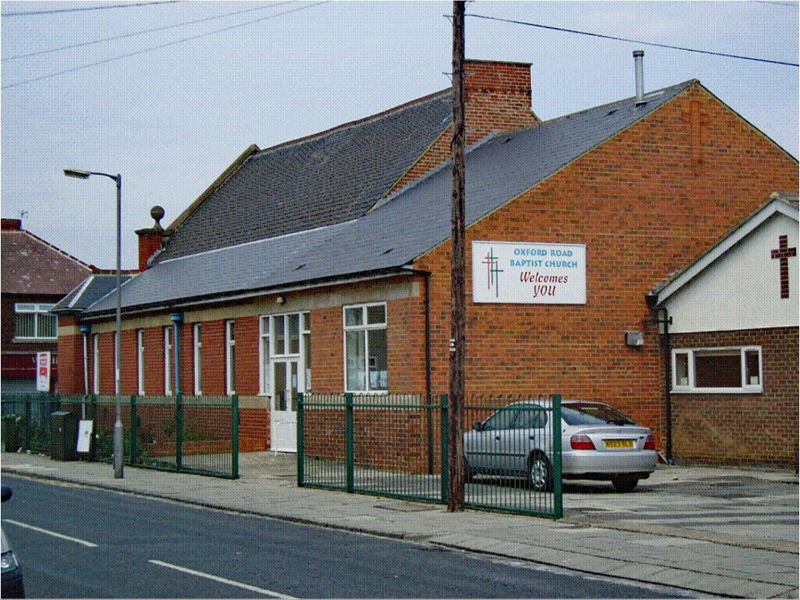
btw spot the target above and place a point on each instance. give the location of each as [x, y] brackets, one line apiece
[638, 58]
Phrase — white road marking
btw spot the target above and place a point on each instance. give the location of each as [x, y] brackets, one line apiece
[53, 533]
[244, 586]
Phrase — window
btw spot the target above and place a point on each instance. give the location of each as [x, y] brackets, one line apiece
[230, 357]
[34, 322]
[283, 336]
[717, 370]
[140, 359]
[198, 359]
[96, 363]
[263, 351]
[167, 361]
[366, 353]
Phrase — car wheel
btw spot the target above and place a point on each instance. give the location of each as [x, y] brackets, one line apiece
[540, 475]
[624, 483]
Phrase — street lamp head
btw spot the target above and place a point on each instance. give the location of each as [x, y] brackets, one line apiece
[77, 174]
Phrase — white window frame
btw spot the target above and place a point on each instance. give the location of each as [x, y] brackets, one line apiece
[364, 328]
[264, 379]
[96, 363]
[267, 348]
[168, 360]
[230, 357]
[688, 384]
[197, 344]
[140, 359]
[38, 311]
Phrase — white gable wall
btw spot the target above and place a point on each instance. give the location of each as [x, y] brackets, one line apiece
[742, 289]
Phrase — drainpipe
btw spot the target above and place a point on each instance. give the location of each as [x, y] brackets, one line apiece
[177, 319]
[86, 330]
[663, 318]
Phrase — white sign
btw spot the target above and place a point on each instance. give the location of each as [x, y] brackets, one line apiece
[528, 273]
[85, 435]
[42, 371]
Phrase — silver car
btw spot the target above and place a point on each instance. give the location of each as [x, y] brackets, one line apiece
[597, 441]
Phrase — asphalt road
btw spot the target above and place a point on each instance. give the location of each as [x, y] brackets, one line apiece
[80, 542]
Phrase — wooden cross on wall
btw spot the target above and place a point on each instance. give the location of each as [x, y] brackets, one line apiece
[783, 253]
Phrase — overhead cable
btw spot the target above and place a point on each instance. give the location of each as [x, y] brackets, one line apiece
[621, 39]
[141, 32]
[160, 46]
[67, 10]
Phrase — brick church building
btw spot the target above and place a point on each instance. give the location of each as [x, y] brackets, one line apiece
[323, 264]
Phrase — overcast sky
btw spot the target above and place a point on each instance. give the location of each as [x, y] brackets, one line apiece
[169, 94]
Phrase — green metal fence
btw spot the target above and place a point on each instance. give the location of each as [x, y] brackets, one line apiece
[396, 445]
[188, 434]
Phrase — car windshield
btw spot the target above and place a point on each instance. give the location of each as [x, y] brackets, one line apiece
[587, 413]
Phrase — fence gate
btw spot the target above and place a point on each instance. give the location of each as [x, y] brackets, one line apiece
[396, 445]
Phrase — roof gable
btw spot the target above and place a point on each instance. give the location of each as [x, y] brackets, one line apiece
[683, 277]
[32, 266]
[316, 181]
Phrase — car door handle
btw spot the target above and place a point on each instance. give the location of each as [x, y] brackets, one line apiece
[497, 437]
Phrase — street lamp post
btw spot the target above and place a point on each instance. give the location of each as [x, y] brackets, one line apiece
[118, 446]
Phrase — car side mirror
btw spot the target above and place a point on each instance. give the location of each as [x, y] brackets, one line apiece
[478, 426]
[6, 493]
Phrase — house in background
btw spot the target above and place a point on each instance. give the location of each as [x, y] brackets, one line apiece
[732, 342]
[35, 276]
[323, 264]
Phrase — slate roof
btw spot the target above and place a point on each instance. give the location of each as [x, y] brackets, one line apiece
[401, 229]
[32, 266]
[92, 289]
[327, 178]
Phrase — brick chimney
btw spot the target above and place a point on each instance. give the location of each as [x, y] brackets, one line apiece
[150, 240]
[498, 97]
[12, 224]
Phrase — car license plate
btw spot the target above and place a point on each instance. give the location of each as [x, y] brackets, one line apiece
[619, 444]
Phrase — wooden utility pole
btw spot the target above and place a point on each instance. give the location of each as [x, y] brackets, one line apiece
[457, 273]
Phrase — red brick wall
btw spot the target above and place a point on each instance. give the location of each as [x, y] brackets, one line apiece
[742, 428]
[642, 212]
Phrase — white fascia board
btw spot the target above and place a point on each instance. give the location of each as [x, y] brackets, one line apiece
[777, 206]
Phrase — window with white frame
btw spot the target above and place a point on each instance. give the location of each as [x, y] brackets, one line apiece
[140, 359]
[286, 335]
[168, 361]
[96, 363]
[230, 357]
[365, 348]
[264, 388]
[198, 359]
[34, 322]
[717, 370]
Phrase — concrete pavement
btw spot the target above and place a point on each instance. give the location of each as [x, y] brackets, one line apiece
[717, 532]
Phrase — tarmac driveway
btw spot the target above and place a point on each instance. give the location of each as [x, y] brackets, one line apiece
[751, 508]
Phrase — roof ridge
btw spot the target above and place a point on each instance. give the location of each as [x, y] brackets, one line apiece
[52, 247]
[647, 97]
[355, 123]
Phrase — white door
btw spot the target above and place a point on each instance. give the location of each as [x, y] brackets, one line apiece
[290, 368]
[286, 382]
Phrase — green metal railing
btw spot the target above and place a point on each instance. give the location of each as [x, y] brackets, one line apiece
[188, 434]
[397, 446]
